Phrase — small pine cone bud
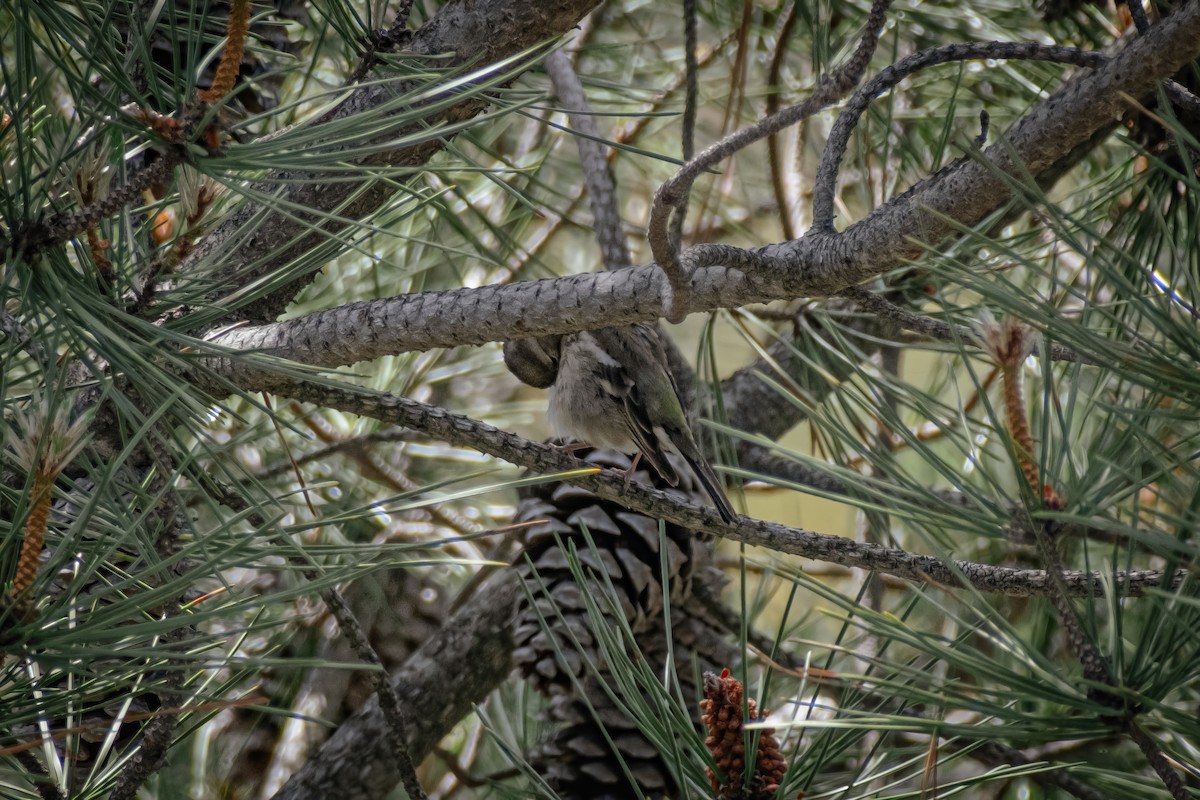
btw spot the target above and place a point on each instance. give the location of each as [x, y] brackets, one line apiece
[722, 718]
[45, 443]
[35, 537]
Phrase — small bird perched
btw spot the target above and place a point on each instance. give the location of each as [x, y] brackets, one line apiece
[611, 387]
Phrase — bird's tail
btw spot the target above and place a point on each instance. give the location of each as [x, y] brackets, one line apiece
[712, 484]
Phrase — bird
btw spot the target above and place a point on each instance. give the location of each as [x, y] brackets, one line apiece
[612, 387]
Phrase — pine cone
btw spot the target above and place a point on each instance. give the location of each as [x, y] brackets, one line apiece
[554, 633]
[627, 553]
[577, 760]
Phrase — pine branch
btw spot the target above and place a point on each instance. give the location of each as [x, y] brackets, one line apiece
[598, 177]
[457, 429]
[728, 277]
[464, 661]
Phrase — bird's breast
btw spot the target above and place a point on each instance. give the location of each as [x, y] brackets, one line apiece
[581, 409]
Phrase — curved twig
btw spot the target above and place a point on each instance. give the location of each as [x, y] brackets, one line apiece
[839, 135]
[673, 191]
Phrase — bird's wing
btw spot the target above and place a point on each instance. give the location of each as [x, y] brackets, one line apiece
[617, 379]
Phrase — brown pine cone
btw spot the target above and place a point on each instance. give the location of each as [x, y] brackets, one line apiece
[555, 642]
[550, 634]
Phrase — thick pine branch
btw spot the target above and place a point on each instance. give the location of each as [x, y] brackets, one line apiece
[818, 264]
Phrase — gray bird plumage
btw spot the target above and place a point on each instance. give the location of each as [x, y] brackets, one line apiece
[611, 387]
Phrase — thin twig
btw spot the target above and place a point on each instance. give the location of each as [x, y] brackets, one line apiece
[382, 42]
[674, 189]
[1095, 667]
[1180, 94]
[839, 135]
[389, 701]
[943, 331]
[351, 445]
[691, 73]
[1138, 14]
[787, 21]
[598, 177]
[630, 133]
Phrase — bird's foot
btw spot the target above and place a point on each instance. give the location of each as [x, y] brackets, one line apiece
[632, 468]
